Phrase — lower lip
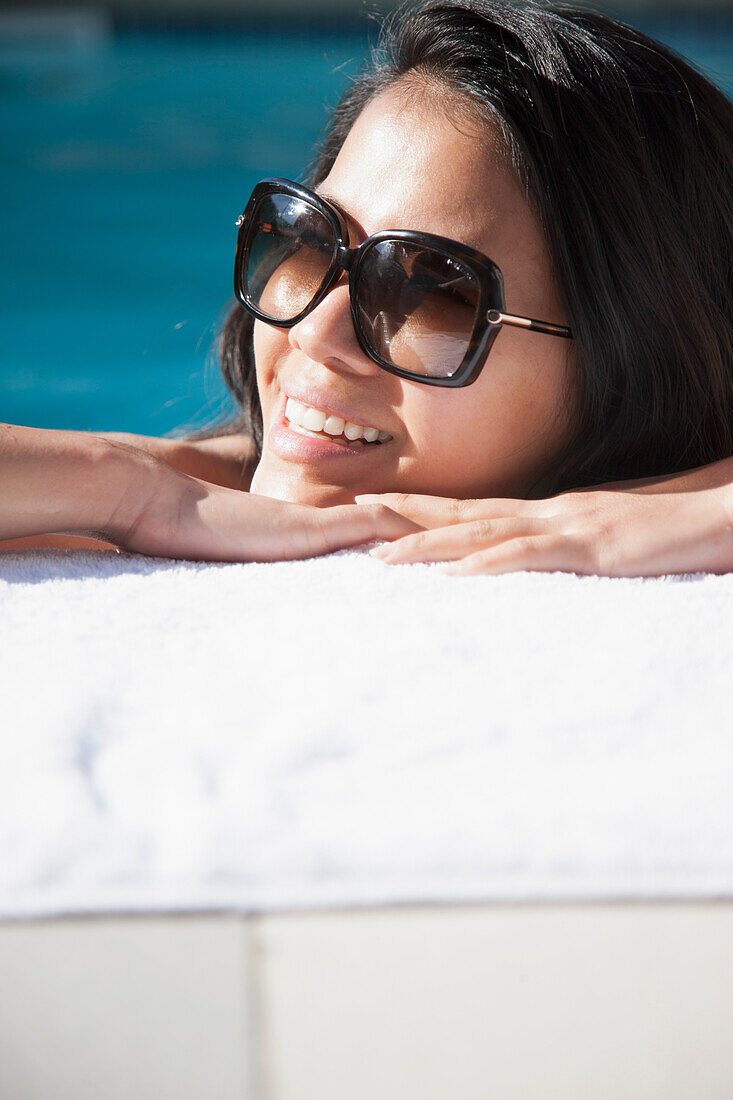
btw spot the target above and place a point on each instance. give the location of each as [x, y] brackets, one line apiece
[290, 444]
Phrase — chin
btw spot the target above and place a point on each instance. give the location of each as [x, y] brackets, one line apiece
[296, 489]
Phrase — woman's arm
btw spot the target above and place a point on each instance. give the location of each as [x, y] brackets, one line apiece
[78, 484]
[680, 523]
[56, 487]
[225, 460]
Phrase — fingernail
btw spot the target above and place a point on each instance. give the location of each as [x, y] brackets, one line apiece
[381, 551]
[367, 499]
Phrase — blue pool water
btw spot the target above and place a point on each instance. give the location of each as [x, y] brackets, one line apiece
[125, 164]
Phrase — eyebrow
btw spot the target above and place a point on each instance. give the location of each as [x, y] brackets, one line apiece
[330, 199]
[352, 224]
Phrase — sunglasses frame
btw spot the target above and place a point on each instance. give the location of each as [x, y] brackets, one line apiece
[490, 315]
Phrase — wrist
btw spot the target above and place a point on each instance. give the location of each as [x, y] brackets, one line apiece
[123, 479]
[91, 478]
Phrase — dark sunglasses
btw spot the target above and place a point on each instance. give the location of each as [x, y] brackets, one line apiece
[424, 307]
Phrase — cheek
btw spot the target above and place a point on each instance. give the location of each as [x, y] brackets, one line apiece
[270, 344]
[496, 436]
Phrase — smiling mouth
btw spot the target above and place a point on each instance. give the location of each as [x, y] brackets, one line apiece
[341, 440]
[309, 421]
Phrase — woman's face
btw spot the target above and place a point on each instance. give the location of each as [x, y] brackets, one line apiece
[405, 165]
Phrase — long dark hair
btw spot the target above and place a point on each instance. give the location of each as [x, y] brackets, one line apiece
[626, 153]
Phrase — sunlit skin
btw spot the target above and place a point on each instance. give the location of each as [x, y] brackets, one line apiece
[407, 165]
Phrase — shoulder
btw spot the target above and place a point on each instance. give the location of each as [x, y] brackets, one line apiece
[228, 460]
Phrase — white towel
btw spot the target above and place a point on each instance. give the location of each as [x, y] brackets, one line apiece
[337, 732]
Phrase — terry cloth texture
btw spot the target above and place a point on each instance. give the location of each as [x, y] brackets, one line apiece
[339, 732]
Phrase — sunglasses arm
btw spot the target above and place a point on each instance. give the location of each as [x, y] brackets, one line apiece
[494, 317]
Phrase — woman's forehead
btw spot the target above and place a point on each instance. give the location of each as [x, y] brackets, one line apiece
[406, 164]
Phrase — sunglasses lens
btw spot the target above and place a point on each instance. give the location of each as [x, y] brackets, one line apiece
[288, 252]
[417, 307]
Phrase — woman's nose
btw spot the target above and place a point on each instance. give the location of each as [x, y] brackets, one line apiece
[326, 334]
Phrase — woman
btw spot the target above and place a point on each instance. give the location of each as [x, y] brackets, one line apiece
[558, 153]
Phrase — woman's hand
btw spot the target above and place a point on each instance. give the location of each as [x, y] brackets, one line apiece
[681, 523]
[166, 513]
[66, 488]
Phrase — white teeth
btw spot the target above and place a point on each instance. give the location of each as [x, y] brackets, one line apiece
[304, 431]
[353, 431]
[334, 425]
[294, 411]
[313, 420]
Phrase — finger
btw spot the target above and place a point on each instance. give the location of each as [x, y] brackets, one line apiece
[543, 553]
[431, 511]
[455, 541]
[324, 530]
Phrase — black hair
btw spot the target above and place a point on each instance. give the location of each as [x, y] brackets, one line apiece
[626, 154]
